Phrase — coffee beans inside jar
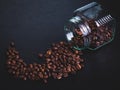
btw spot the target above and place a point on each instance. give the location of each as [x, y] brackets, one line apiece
[90, 27]
[61, 60]
[94, 36]
[95, 39]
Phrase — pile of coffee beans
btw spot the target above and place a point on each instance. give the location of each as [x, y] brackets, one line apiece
[98, 36]
[60, 61]
[16, 66]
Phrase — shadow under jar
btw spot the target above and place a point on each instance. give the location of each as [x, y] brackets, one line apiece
[91, 27]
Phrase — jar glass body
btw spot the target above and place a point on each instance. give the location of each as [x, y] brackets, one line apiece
[90, 27]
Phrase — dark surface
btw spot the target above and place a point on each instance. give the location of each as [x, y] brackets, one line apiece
[35, 24]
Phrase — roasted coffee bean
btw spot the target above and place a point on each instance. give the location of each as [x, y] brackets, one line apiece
[40, 55]
[78, 32]
[45, 81]
[49, 52]
[65, 74]
[12, 44]
[40, 75]
[24, 78]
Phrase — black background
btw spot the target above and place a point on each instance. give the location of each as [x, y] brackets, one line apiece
[34, 24]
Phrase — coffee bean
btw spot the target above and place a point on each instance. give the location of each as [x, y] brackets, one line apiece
[24, 78]
[40, 74]
[40, 55]
[55, 48]
[49, 52]
[45, 81]
[12, 44]
[65, 74]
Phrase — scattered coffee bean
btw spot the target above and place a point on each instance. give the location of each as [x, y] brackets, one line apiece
[40, 55]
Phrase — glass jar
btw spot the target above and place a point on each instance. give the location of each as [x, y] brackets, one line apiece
[90, 27]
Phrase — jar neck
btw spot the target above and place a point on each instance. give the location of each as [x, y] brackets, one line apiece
[84, 28]
[82, 25]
